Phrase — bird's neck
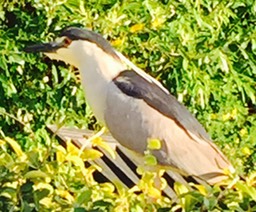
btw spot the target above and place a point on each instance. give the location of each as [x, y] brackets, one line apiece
[97, 73]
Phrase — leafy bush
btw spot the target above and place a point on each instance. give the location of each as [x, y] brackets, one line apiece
[203, 52]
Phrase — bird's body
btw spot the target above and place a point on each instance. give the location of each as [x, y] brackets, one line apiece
[177, 149]
[135, 108]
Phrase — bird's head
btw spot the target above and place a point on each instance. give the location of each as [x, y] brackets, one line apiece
[74, 46]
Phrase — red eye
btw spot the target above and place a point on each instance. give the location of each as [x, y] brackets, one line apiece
[67, 41]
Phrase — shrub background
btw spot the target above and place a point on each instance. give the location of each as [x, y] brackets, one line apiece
[204, 52]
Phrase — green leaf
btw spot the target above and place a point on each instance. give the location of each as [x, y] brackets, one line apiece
[154, 144]
[36, 174]
[84, 197]
[251, 191]
[150, 160]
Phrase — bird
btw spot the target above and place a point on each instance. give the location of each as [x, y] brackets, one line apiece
[136, 108]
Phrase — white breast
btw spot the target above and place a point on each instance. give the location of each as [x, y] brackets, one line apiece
[97, 72]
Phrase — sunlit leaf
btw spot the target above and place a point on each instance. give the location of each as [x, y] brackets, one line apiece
[91, 154]
[15, 146]
[84, 197]
[65, 194]
[150, 160]
[247, 189]
[36, 174]
[99, 142]
[154, 144]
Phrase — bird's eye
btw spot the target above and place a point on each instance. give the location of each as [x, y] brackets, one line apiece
[67, 41]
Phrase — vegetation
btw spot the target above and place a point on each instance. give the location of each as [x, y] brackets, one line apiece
[204, 52]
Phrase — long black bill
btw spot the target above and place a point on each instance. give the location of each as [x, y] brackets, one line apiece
[43, 47]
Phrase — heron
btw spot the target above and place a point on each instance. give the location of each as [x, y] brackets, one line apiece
[135, 107]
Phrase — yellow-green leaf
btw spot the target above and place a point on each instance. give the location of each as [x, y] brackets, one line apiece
[91, 154]
[251, 191]
[201, 189]
[15, 146]
[180, 188]
[84, 197]
[99, 142]
[60, 156]
[36, 174]
[136, 28]
[154, 144]
[65, 194]
[76, 160]
[42, 185]
[150, 160]
[2, 142]
[72, 149]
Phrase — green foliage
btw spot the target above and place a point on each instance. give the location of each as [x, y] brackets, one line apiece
[204, 52]
[55, 179]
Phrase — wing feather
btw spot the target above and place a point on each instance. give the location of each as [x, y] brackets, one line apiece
[133, 84]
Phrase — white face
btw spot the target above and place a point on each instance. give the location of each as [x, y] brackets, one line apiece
[88, 58]
[74, 53]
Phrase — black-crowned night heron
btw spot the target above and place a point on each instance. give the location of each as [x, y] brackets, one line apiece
[136, 108]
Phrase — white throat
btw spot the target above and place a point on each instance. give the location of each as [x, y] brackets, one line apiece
[97, 70]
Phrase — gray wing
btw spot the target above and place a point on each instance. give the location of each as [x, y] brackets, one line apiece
[132, 84]
[143, 110]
